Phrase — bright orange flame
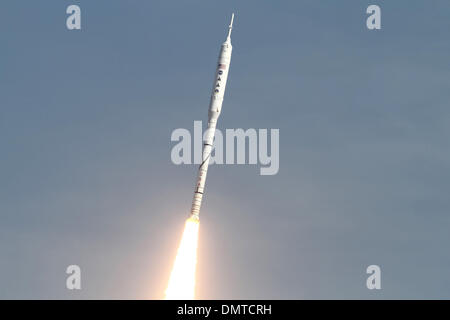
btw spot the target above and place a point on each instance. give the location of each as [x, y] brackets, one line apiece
[182, 279]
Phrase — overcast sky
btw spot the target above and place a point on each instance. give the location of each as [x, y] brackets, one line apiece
[86, 176]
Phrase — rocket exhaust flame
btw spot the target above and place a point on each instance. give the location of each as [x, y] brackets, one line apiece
[182, 279]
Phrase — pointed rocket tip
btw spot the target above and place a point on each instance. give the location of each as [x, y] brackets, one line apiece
[230, 27]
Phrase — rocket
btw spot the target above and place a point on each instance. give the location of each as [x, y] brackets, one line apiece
[215, 107]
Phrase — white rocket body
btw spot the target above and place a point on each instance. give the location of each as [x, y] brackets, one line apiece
[215, 107]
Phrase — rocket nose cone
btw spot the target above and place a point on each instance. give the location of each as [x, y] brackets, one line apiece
[230, 27]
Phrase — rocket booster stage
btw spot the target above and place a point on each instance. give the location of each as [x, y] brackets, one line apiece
[215, 106]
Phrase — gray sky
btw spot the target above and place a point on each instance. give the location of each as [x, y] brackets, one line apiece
[86, 176]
